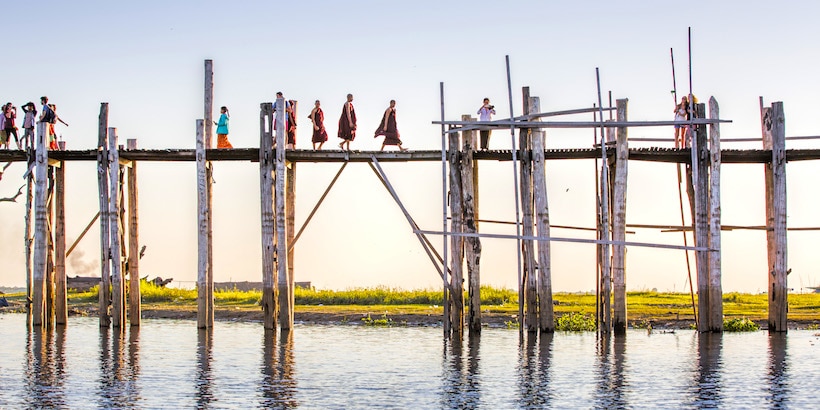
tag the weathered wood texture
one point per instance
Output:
(546, 315)
(105, 232)
(279, 205)
(266, 162)
(208, 115)
(605, 286)
(203, 313)
(456, 291)
(60, 296)
(40, 229)
(117, 283)
(530, 280)
(715, 286)
(28, 240)
(209, 138)
(286, 290)
(619, 318)
(134, 294)
(472, 245)
(699, 197)
(778, 290)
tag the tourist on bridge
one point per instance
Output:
(388, 128)
(52, 128)
(347, 123)
(485, 113)
(291, 125)
(10, 114)
(222, 129)
(317, 118)
(28, 124)
(287, 114)
(681, 114)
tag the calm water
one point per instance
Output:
(170, 364)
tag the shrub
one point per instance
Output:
(740, 325)
(575, 322)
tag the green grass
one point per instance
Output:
(740, 325)
(575, 322)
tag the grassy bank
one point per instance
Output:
(643, 307)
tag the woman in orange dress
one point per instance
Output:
(222, 129)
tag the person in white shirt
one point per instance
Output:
(485, 113)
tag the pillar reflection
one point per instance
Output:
(611, 378)
(778, 370)
(535, 354)
(706, 378)
(461, 382)
(278, 385)
(204, 356)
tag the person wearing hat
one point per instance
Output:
(28, 124)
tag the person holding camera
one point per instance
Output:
(485, 113)
(10, 114)
(28, 125)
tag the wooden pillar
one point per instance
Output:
(279, 203)
(105, 251)
(204, 317)
(776, 208)
(270, 304)
(472, 245)
(699, 198)
(527, 227)
(28, 241)
(209, 137)
(117, 285)
(60, 298)
(50, 285)
(619, 321)
(286, 296)
(209, 104)
(134, 295)
(715, 286)
(456, 293)
(546, 315)
(40, 229)
(605, 286)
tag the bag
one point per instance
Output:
(48, 115)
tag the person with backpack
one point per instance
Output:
(28, 124)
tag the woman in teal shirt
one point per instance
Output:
(222, 129)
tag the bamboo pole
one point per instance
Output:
(546, 315)
(619, 320)
(203, 311)
(715, 286)
(456, 291)
(105, 238)
(530, 281)
(286, 296)
(40, 229)
(60, 298)
(134, 295)
(778, 291)
(269, 290)
(472, 245)
(118, 290)
(279, 204)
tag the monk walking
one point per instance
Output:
(347, 124)
(389, 129)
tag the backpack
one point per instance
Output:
(48, 115)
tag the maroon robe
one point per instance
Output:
(391, 136)
(319, 135)
(346, 132)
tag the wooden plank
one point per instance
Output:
(456, 291)
(472, 245)
(715, 286)
(530, 280)
(266, 160)
(279, 205)
(778, 291)
(117, 283)
(619, 318)
(40, 256)
(202, 229)
(105, 234)
(286, 290)
(134, 295)
(60, 296)
(546, 314)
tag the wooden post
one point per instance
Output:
(279, 204)
(700, 199)
(527, 228)
(619, 222)
(134, 295)
(715, 286)
(605, 287)
(472, 245)
(105, 251)
(204, 318)
(117, 285)
(209, 104)
(546, 316)
(778, 281)
(50, 285)
(456, 293)
(40, 228)
(28, 239)
(270, 304)
(286, 296)
(60, 298)
(209, 137)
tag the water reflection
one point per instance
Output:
(45, 367)
(534, 358)
(204, 356)
(116, 384)
(278, 376)
(778, 370)
(461, 381)
(610, 361)
(706, 379)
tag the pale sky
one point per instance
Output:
(146, 59)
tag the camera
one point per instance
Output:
(491, 107)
